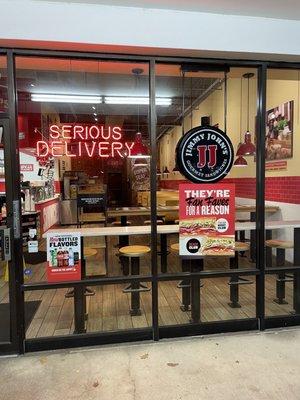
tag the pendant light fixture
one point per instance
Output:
(240, 161)
(247, 148)
(166, 171)
(138, 150)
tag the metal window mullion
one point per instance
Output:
(153, 188)
(260, 194)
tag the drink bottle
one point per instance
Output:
(71, 257)
(66, 258)
(60, 259)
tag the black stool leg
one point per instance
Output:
(268, 250)
(242, 236)
(125, 264)
(234, 287)
(79, 309)
(135, 285)
(280, 282)
(196, 265)
(164, 255)
(186, 287)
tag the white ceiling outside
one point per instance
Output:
(280, 9)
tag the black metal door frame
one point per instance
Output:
(12, 184)
(17, 289)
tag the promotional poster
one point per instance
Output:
(207, 217)
(63, 258)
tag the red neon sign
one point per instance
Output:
(77, 140)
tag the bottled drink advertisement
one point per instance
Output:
(207, 219)
(63, 257)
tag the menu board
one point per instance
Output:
(91, 199)
(63, 258)
(206, 219)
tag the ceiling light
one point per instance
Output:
(96, 119)
(138, 149)
(95, 114)
(65, 98)
(94, 108)
(240, 162)
(247, 148)
(140, 162)
(159, 101)
(32, 85)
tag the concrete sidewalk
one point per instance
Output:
(237, 366)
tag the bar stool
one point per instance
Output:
(235, 281)
(185, 284)
(133, 253)
(280, 246)
(158, 222)
(119, 223)
(89, 252)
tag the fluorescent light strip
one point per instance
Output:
(66, 98)
(159, 101)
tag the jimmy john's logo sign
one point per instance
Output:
(204, 154)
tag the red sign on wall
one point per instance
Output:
(207, 218)
(63, 258)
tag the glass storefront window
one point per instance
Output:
(281, 192)
(85, 166)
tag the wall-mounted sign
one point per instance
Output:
(63, 258)
(26, 167)
(204, 154)
(77, 140)
(140, 177)
(206, 219)
(91, 199)
(276, 165)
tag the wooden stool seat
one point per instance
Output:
(158, 222)
(89, 252)
(241, 246)
(134, 251)
(176, 221)
(118, 223)
(280, 244)
(175, 247)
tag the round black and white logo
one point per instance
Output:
(193, 245)
(204, 154)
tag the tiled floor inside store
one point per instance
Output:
(108, 309)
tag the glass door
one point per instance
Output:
(211, 293)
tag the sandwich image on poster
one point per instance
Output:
(207, 215)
